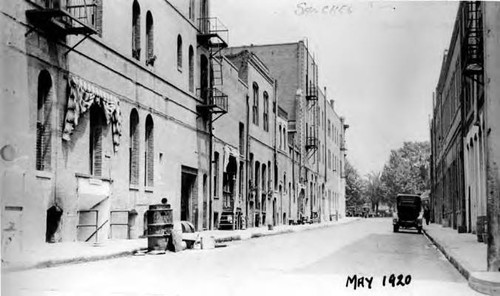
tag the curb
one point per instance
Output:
(485, 282)
(68, 261)
(76, 260)
(463, 271)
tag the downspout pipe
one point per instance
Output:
(276, 108)
(247, 161)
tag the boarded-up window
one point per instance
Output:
(149, 38)
(43, 121)
(149, 154)
(191, 68)
(179, 52)
(134, 148)
(136, 30)
(95, 141)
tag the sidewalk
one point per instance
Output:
(467, 255)
(49, 255)
(462, 249)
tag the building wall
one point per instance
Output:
(160, 91)
(227, 133)
(448, 157)
(297, 74)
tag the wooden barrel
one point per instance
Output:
(160, 225)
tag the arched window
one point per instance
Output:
(179, 52)
(149, 153)
(134, 148)
(204, 78)
(43, 121)
(149, 39)
(136, 30)
(191, 68)
(266, 111)
(97, 121)
(255, 108)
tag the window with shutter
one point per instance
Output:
(191, 68)
(149, 154)
(134, 148)
(179, 52)
(150, 39)
(136, 30)
(266, 111)
(255, 104)
(95, 141)
(43, 122)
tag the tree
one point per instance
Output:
(373, 189)
(354, 186)
(407, 170)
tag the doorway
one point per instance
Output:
(188, 194)
(53, 220)
(275, 213)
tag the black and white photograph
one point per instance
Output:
(263, 147)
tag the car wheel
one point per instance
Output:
(395, 228)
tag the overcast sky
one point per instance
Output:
(380, 61)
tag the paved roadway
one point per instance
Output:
(316, 262)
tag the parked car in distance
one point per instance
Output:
(408, 213)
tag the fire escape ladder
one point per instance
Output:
(213, 35)
(61, 18)
(472, 43)
(472, 57)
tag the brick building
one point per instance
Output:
(317, 188)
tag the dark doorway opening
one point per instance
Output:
(275, 213)
(188, 181)
(53, 221)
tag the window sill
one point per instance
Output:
(179, 69)
(88, 176)
(149, 189)
(44, 175)
(133, 187)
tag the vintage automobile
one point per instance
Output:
(409, 212)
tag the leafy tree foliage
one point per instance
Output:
(354, 186)
(407, 170)
(374, 189)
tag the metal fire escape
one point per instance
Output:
(213, 35)
(65, 17)
(472, 56)
(312, 99)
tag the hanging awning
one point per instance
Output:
(82, 96)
